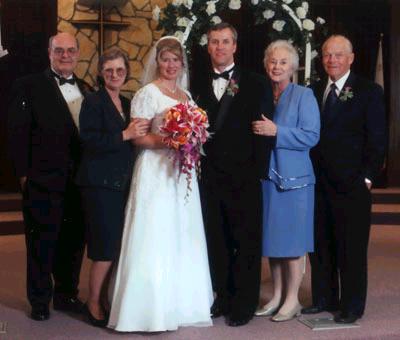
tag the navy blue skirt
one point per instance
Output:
(104, 212)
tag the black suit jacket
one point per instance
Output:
(353, 136)
(43, 138)
(233, 148)
(107, 160)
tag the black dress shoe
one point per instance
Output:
(315, 309)
(236, 322)
(218, 309)
(68, 304)
(345, 317)
(93, 321)
(40, 313)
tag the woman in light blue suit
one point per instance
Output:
(288, 191)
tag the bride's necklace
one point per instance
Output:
(173, 91)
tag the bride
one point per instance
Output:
(162, 280)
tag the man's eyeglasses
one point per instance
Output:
(120, 71)
(60, 51)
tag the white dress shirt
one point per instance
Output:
(220, 84)
(339, 84)
(73, 97)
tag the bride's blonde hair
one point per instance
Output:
(169, 45)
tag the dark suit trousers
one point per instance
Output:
(54, 235)
(232, 214)
(342, 227)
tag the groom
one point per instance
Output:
(235, 161)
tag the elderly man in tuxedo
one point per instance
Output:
(346, 161)
(235, 161)
(43, 136)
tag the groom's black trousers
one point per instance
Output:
(232, 216)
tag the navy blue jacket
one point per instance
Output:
(353, 138)
(107, 160)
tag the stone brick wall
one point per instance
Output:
(135, 39)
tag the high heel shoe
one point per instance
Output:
(93, 321)
(266, 310)
(295, 312)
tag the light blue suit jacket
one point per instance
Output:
(298, 124)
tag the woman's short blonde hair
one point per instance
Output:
(284, 45)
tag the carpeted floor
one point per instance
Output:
(381, 320)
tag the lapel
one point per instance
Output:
(111, 108)
(58, 97)
(226, 101)
(340, 105)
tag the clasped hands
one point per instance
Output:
(138, 127)
(264, 127)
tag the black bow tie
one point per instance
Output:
(63, 80)
(224, 74)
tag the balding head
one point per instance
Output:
(337, 56)
(63, 53)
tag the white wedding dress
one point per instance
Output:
(162, 280)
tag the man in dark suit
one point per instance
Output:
(346, 161)
(235, 161)
(44, 142)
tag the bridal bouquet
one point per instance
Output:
(185, 129)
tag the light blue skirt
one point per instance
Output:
(288, 221)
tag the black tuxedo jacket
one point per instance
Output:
(233, 148)
(107, 160)
(353, 136)
(43, 138)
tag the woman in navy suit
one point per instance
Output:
(106, 167)
(288, 192)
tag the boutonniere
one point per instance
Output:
(233, 88)
(346, 93)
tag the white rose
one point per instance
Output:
(179, 35)
(216, 20)
(156, 13)
(235, 4)
(301, 12)
(288, 1)
(314, 54)
(278, 25)
(188, 4)
(210, 7)
(203, 40)
(268, 14)
(321, 20)
(308, 25)
(177, 3)
(182, 22)
(305, 5)
(254, 2)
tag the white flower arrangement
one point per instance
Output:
(216, 20)
(211, 7)
(301, 12)
(308, 25)
(182, 22)
(203, 40)
(156, 13)
(268, 14)
(235, 4)
(289, 19)
(278, 25)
